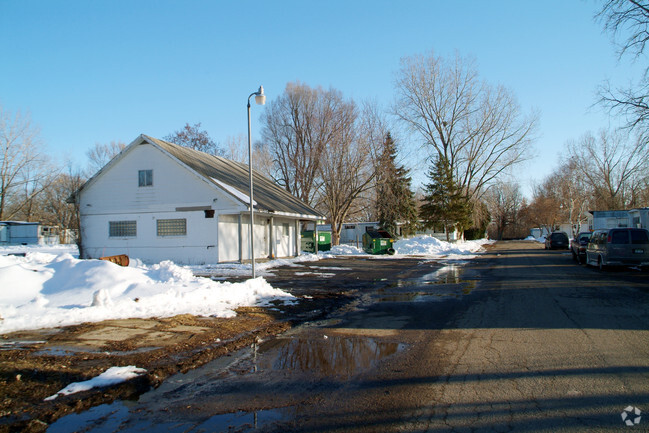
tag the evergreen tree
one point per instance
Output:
(444, 202)
(395, 202)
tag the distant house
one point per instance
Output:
(609, 219)
(27, 233)
(159, 201)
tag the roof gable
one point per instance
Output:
(267, 195)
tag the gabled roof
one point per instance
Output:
(232, 177)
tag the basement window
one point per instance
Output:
(145, 177)
(122, 229)
(174, 227)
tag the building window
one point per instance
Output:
(145, 177)
(175, 227)
(285, 229)
(209, 213)
(122, 229)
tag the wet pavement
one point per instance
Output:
(273, 383)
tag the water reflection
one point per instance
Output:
(334, 356)
(449, 274)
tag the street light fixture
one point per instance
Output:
(260, 99)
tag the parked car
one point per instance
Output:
(618, 247)
(578, 246)
(557, 241)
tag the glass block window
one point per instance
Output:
(122, 229)
(145, 177)
(175, 227)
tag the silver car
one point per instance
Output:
(618, 247)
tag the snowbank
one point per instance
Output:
(420, 246)
(343, 250)
(44, 290)
(430, 246)
(532, 238)
(262, 269)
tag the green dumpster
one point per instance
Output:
(377, 242)
(308, 241)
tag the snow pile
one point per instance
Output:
(343, 250)
(44, 290)
(532, 238)
(112, 376)
(262, 269)
(430, 246)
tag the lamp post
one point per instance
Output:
(260, 99)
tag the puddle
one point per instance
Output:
(242, 421)
(449, 274)
(115, 417)
(448, 278)
(327, 355)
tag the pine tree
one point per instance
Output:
(395, 202)
(444, 203)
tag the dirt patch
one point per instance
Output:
(41, 363)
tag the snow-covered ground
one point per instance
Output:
(51, 287)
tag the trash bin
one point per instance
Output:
(308, 241)
(377, 242)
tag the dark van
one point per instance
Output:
(618, 247)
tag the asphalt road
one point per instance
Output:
(519, 339)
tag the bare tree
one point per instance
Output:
(101, 154)
(237, 150)
(504, 200)
(56, 205)
(24, 167)
(614, 166)
(347, 169)
(297, 127)
(194, 138)
(545, 210)
(478, 128)
(322, 151)
(628, 21)
(572, 192)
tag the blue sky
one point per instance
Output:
(97, 71)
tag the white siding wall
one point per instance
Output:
(116, 196)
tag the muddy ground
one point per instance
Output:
(37, 364)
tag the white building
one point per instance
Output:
(608, 219)
(27, 233)
(159, 201)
